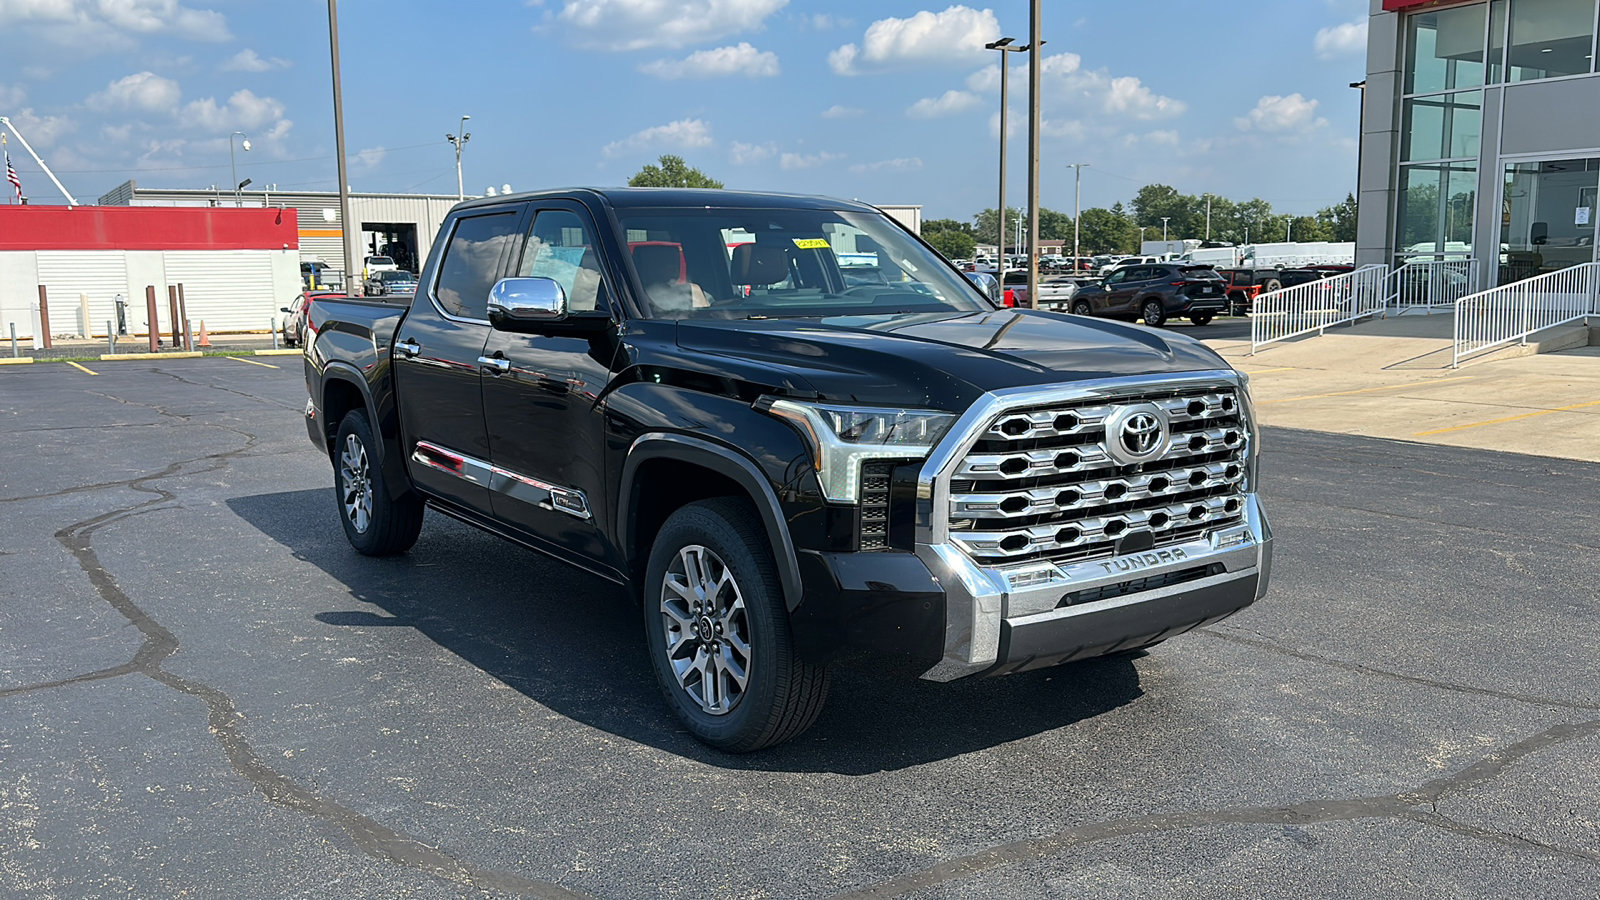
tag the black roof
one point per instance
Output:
(639, 197)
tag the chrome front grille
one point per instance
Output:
(1041, 483)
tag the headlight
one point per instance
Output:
(841, 437)
(1252, 432)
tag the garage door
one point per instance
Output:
(231, 290)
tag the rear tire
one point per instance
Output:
(375, 523)
(1271, 284)
(717, 631)
(1082, 308)
(1153, 314)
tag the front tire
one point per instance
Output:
(717, 631)
(1153, 314)
(375, 523)
(1081, 308)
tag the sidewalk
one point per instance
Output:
(77, 348)
(1392, 379)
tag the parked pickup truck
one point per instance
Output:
(679, 392)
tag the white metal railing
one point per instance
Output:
(1312, 307)
(1429, 284)
(1509, 313)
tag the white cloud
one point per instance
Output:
(141, 91)
(641, 24)
(901, 164)
(244, 110)
(840, 111)
(1066, 85)
(956, 35)
(947, 104)
(1348, 39)
(741, 59)
(370, 157)
(42, 131)
(248, 60)
(96, 17)
(11, 95)
(791, 161)
(684, 134)
(741, 154)
(1278, 114)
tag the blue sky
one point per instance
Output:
(886, 101)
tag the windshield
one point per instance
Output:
(786, 263)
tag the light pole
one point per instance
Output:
(233, 168)
(458, 143)
(1035, 67)
(350, 286)
(1141, 237)
(1164, 220)
(1004, 45)
(1077, 209)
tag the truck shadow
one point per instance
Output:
(572, 642)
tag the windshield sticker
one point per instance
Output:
(811, 243)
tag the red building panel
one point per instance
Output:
(147, 228)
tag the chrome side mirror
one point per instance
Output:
(518, 303)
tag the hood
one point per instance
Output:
(946, 360)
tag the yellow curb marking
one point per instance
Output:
(1387, 387)
(15, 360)
(1542, 412)
(80, 368)
(292, 351)
(250, 361)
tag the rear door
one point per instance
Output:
(436, 355)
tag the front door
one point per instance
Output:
(1548, 218)
(436, 350)
(541, 395)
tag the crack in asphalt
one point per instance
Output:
(1402, 805)
(1218, 632)
(223, 719)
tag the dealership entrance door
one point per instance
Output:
(1548, 216)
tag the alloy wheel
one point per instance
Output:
(355, 483)
(707, 629)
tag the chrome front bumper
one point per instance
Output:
(992, 624)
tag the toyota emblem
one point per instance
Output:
(1136, 433)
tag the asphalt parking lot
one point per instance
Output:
(205, 692)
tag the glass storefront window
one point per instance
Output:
(1436, 204)
(1497, 41)
(1550, 38)
(1444, 49)
(1442, 126)
(1548, 217)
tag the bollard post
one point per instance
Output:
(154, 320)
(111, 338)
(83, 316)
(272, 329)
(44, 320)
(183, 314)
(177, 323)
(14, 353)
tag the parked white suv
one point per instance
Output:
(376, 264)
(1130, 261)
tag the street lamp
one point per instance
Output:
(232, 167)
(1004, 45)
(458, 143)
(1077, 209)
(1164, 220)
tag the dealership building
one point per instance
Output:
(1480, 135)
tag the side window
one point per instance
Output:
(1117, 277)
(561, 248)
(471, 262)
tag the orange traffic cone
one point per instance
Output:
(204, 340)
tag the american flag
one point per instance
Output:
(11, 176)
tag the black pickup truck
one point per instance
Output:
(681, 392)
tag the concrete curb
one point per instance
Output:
(292, 351)
(115, 357)
(15, 360)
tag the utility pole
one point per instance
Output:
(1004, 45)
(338, 140)
(1077, 209)
(458, 143)
(1035, 41)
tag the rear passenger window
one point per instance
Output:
(471, 262)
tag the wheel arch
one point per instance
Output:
(345, 389)
(666, 460)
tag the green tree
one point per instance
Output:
(672, 172)
(948, 225)
(1107, 231)
(1154, 202)
(1340, 219)
(1054, 226)
(984, 224)
(952, 243)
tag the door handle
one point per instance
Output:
(497, 364)
(408, 348)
